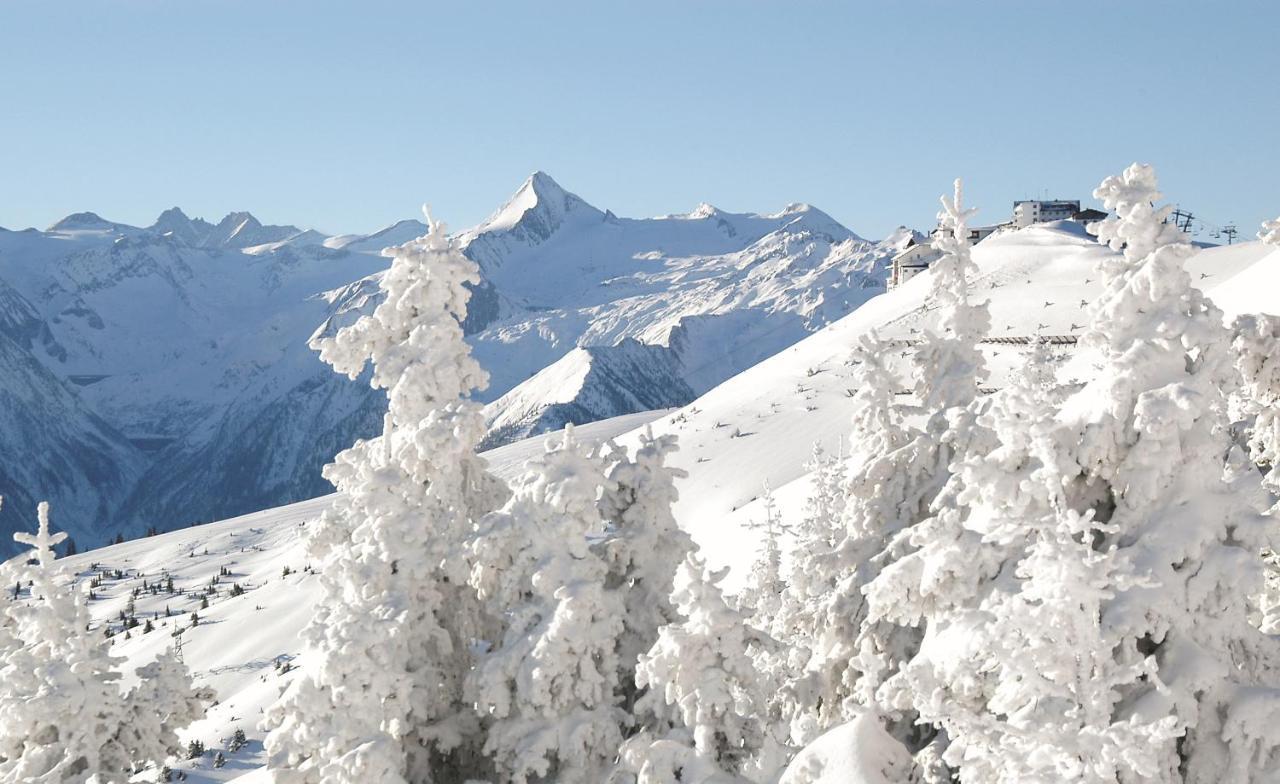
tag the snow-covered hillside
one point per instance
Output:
(177, 380)
(756, 428)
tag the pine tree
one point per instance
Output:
(833, 559)
(1270, 232)
(63, 716)
(1257, 354)
(1152, 436)
(642, 548)
(701, 675)
(163, 702)
(381, 699)
(948, 368)
(548, 687)
(762, 597)
(1014, 665)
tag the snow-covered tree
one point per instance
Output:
(762, 597)
(643, 547)
(948, 368)
(1015, 666)
(388, 647)
(948, 363)
(701, 674)
(1029, 689)
(1257, 402)
(1270, 232)
(548, 689)
(1257, 352)
(833, 556)
(163, 702)
(63, 716)
(1149, 431)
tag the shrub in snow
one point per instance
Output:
(63, 716)
(381, 698)
(548, 688)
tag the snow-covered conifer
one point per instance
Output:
(833, 557)
(948, 363)
(643, 547)
(1014, 665)
(1257, 351)
(948, 368)
(1149, 431)
(548, 688)
(762, 597)
(1270, 232)
(701, 674)
(163, 702)
(388, 645)
(63, 716)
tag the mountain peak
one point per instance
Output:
(543, 185)
(82, 221)
(236, 220)
(172, 220)
(539, 208)
(172, 214)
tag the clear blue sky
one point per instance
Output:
(346, 116)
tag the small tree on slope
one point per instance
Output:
(63, 717)
(1149, 432)
(381, 697)
(549, 687)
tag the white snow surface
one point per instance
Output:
(857, 752)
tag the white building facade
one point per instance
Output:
(1027, 213)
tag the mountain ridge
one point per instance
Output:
(188, 339)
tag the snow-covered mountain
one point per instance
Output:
(756, 427)
(173, 358)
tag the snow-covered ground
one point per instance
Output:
(756, 428)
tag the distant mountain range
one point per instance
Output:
(161, 375)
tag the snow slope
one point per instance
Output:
(757, 427)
